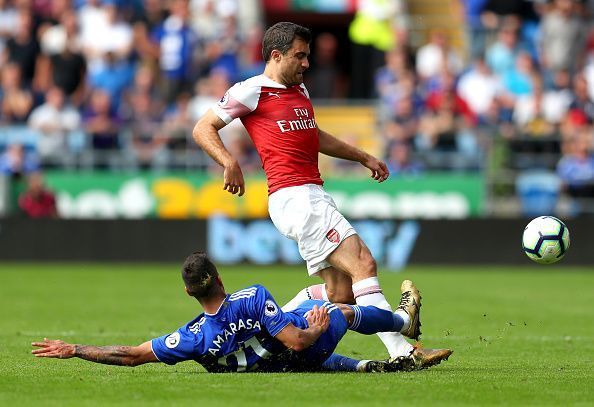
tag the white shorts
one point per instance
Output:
(308, 215)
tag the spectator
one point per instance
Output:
(23, 48)
(396, 66)
(563, 35)
(222, 52)
(498, 13)
(576, 167)
(68, 71)
(53, 15)
(177, 127)
(208, 90)
(372, 34)
(208, 16)
(102, 125)
(478, 87)
(16, 99)
(518, 81)
(144, 80)
(38, 201)
(403, 125)
(538, 113)
(54, 121)
(325, 79)
(443, 92)
(581, 101)
(440, 127)
(16, 161)
(251, 62)
(437, 56)
(501, 55)
(400, 161)
(108, 36)
(152, 15)
(59, 40)
(475, 31)
(91, 16)
(8, 22)
(146, 143)
(176, 43)
(113, 77)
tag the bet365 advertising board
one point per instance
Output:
(181, 196)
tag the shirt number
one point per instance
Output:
(240, 356)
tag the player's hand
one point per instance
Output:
(53, 349)
(233, 179)
(379, 170)
(318, 317)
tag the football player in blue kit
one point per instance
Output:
(247, 331)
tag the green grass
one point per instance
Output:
(520, 336)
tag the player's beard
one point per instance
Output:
(297, 79)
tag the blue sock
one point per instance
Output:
(339, 363)
(370, 320)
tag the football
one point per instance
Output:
(545, 239)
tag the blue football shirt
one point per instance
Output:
(239, 337)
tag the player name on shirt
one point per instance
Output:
(230, 331)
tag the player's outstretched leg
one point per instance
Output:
(410, 309)
(410, 305)
(339, 363)
(397, 364)
(370, 319)
(406, 320)
(427, 357)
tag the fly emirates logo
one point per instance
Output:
(303, 122)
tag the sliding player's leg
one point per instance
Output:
(340, 363)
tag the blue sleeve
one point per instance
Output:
(269, 313)
(177, 346)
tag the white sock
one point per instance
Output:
(314, 292)
(405, 317)
(361, 365)
(368, 292)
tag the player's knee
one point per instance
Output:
(342, 295)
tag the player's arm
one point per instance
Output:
(299, 339)
(109, 355)
(330, 145)
(206, 135)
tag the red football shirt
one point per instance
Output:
(280, 120)
(42, 205)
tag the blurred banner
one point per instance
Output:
(173, 196)
(317, 6)
(394, 244)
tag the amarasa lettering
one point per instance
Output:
(231, 330)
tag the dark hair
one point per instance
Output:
(280, 37)
(199, 275)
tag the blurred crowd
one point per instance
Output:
(80, 79)
(525, 81)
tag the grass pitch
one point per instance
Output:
(520, 336)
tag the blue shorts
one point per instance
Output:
(317, 353)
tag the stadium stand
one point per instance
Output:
(493, 87)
